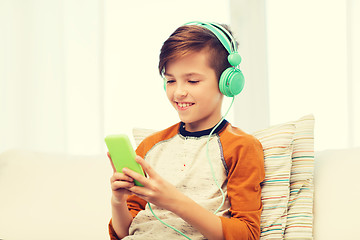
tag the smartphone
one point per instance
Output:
(122, 154)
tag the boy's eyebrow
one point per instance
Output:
(184, 75)
(167, 74)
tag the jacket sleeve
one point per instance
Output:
(135, 205)
(112, 232)
(245, 161)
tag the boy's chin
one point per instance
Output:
(186, 120)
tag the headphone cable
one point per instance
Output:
(210, 163)
(212, 172)
(176, 230)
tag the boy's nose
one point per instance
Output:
(180, 92)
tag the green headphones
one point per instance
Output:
(231, 80)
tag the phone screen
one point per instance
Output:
(122, 154)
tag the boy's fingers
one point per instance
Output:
(146, 167)
(121, 185)
(136, 176)
(120, 177)
(140, 192)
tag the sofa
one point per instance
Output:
(57, 196)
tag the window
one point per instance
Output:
(309, 64)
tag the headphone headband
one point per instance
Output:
(226, 39)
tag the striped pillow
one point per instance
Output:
(277, 145)
(300, 206)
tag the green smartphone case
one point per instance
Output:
(122, 154)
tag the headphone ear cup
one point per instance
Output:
(231, 82)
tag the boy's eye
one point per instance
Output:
(193, 81)
(170, 81)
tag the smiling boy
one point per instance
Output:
(192, 88)
(180, 187)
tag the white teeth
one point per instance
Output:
(182, 105)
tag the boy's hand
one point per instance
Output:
(120, 183)
(156, 190)
(164, 195)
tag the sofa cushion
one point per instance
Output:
(51, 196)
(337, 194)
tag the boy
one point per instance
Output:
(179, 186)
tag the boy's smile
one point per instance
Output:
(192, 88)
(182, 106)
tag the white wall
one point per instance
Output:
(313, 47)
(353, 59)
(134, 93)
(51, 75)
(300, 57)
(73, 71)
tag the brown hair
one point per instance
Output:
(192, 38)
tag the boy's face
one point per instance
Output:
(192, 88)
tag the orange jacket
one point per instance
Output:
(241, 161)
